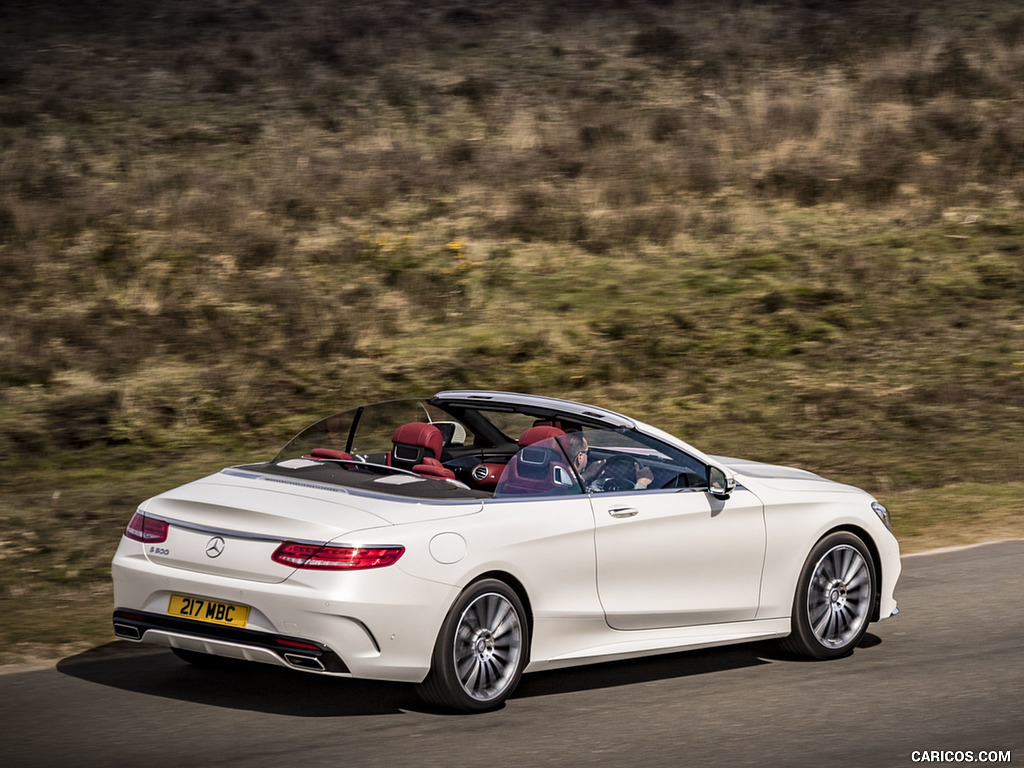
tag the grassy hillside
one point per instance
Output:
(790, 231)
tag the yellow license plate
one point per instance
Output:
(210, 611)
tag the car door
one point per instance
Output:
(677, 557)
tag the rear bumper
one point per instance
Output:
(283, 650)
(377, 624)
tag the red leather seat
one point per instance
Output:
(417, 447)
(539, 469)
(492, 473)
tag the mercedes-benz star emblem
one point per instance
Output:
(214, 547)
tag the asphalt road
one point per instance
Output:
(946, 674)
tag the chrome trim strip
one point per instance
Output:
(213, 531)
(209, 529)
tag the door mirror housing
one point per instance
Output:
(720, 482)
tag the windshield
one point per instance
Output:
(366, 431)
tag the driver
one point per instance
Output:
(616, 473)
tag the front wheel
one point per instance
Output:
(481, 650)
(834, 598)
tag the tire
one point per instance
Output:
(481, 650)
(834, 600)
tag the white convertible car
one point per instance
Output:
(459, 541)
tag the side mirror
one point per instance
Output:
(720, 484)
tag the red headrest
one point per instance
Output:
(424, 435)
(536, 434)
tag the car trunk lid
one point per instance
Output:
(232, 529)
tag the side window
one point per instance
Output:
(610, 460)
(541, 469)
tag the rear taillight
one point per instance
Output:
(329, 558)
(148, 530)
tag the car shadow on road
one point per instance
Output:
(274, 690)
(243, 686)
(661, 667)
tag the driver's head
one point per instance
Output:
(578, 450)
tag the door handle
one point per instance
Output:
(623, 511)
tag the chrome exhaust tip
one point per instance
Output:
(304, 662)
(127, 632)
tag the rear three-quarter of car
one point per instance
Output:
(238, 567)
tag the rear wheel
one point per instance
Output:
(834, 598)
(480, 651)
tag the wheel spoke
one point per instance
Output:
(497, 609)
(861, 580)
(844, 619)
(469, 673)
(505, 624)
(822, 624)
(817, 612)
(853, 568)
(846, 558)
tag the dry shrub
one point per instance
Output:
(952, 120)
(791, 118)
(461, 16)
(226, 80)
(887, 160)
(48, 180)
(16, 117)
(666, 124)
(82, 417)
(1001, 150)
(950, 72)
(657, 225)
(806, 179)
(1011, 31)
(598, 135)
(542, 214)
(835, 403)
(257, 248)
(8, 225)
(11, 75)
(461, 152)
(663, 44)
(702, 174)
(475, 89)
(26, 356)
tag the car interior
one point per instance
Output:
(474, 452)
